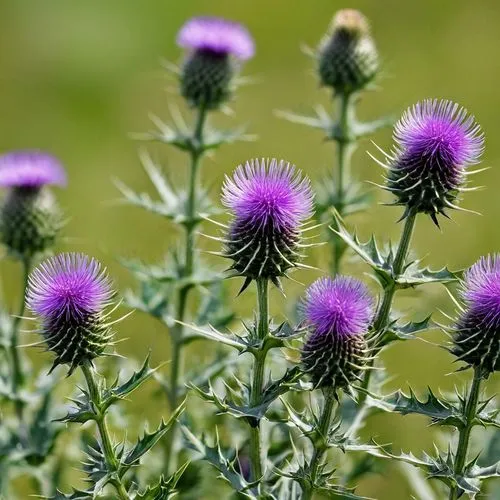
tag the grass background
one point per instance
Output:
(77, 77)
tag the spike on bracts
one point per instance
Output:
(269, 200)
(69, 294)
(338, 313)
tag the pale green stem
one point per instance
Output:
(321, 447)
(345, 148)
(383, 315)
(112, 462)
(17, 367)
(463, 440)
(258, 375)
(182, 299)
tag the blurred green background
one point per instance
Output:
(76, 77)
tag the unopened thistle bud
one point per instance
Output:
(30, 218)
(477, 329)
(338, 313)
(436, 142)
(270, 200)
(69, 294)
(214, 46)
(348, 58)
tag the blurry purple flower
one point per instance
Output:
(338, 313)
(30, 169)
(30, 218)
(214, 45)
(216, 35)
(69, 293)
(477, 337)
(269, 200)
(436, 142)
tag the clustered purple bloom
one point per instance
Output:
(217, 35)
(214, 45)
(477, 330)
(68, 293)
(269, 200)
(30, 169)
(338, 313)
(436, 140)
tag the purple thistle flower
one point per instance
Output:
(30, 169)
(214, 47)
(270, 201)
(30, 218)
(217, 35)
(436, 140)
(69, 293)
(477, 329)
(338, 313)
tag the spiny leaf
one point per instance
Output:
(213, 334)
(215, 456)
(406, 331)
(146, 442)
(165, 489)
(117, 392)
(413, 276)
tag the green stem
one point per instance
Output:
(383, 315)
(345, 148)
(108, 451)
(17, 367)
(463, 440)
(176, 364)
(320, 449)
(258, 375)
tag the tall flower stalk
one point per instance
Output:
(347, 64)
(215, 49)
(71, 296)
(30, 220)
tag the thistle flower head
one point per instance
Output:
(69, 293)
(436, 141)
(217, 35)
(30, 218)
(477, 329)
(348, 58)
(269, 200)
(213, 45)
(30, 169)
(338, 313)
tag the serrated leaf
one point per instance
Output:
(117, 392)
(412, 276)
(76, 495)
(80, 413)
(148, 440)
(405, 331)
(215, 138)
(164, 489)
(440, 411)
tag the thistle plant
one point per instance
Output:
(215, 49)
(30, 220)
(70, 295)
(347, 65)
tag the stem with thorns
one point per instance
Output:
(108, 451)
(320, 442)
(258, 375)
(470, 411)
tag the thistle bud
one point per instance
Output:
(348, 58)
(69, 294)
(269, 200)
(477, 329)
(436, 142)
(338, 313)
(214, 46)
(30, 218)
